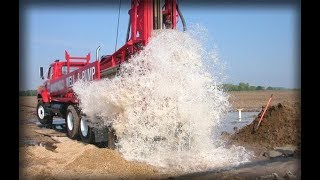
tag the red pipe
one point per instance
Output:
(264, 111)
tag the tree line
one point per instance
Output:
(246, 87)
(28, 93)
(226, 87)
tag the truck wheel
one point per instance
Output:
(111, 139)
(43, 115)
(73, 122)
(86, 132)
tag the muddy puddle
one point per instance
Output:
(231, 122)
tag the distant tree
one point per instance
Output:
(260, 88)
(235, 88)
(243, 86)
(246, 87)
(279, 88)
(28, 93)
(252, 88)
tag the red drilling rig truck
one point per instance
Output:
(56, 97)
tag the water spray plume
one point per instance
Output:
(164, 106)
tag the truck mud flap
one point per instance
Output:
(101, 134)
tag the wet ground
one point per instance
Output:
(46, 152)
(231, 122)
(277, 168)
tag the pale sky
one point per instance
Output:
(259, 45)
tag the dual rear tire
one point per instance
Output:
(86, 132)
(77, 126)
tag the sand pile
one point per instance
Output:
(280, 126)
(75, 160)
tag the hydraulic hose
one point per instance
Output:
(182, 19)
(128, 30)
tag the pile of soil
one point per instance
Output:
(280, 126)
(74, 160)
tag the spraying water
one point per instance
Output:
(164, 106)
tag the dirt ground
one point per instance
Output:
(280, 126)
(46, 153)
(254, 100)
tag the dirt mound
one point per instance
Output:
(280, 126)
(102, 163)
(75, 160)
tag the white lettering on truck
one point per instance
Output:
(86, 75)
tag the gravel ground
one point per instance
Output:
(48, 153)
